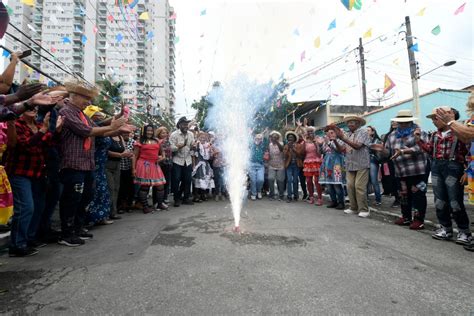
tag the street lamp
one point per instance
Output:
(446, 64)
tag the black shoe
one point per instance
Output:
(22, 252)
(288, 200)
(177, 203)
(85, 236)
(396, 204)
(340, 206)
(36, 244)
(114, 217)
(469, 247)
(71, 241)
(305, 196)
(188, 202)
(332, 205)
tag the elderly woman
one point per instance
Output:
(293, 153)
(203, 176)
(332, 173)
(276, 166)
(257, 168)
(312, 164)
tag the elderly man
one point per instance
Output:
(357, 164)
(181, 142)
(77, 161)
(410, 167)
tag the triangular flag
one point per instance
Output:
(119, 37)
(66, 40)
(296, 32)
(353, 23)
(303, 55)
(83, 39)
(5, 53)
(332, 25)
(9, 10)
(317, 42)
(95, 29)
(144, 16)
(176, 40)
(436, 30)
(278, 103)
(150, 35)
(460, 9)
(53, 49)
(368, 34)
(110, 18)
(388, 85)
(421, 12)
(31, 3)
(293, 92)
(203, 12)
(292, 66)
(173, 16)
(414, 47)
(282, 76)
(132, 4)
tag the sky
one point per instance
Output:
(263, 38)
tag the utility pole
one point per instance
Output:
(364, 82)
(413, 68)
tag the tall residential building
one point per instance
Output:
(100, 40)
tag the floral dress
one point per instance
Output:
(6, 195)
(99, 208)
(203, 176)
(332, 168)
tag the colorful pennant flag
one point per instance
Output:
(368, 34)
(53, 49)
(5, 53)
(292, 66)
(95, 29)
(396, 61)
(317, 42)
(9, 10)
(460, 9)
(303, 55)
(352, 4)
(132, 4)
(293, 92)
(150, 35)
(173, 16)
(436, 30)
(296, 32)
(110, 18)
(203, 12)
(176, 40)
(66, 40)
(332, 25)
(388, 85)
(144, 16)
(353, 23)
(414, 47)
(83, 39)
(119, 37)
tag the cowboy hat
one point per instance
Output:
(354, 118)
(182, 120)
(404, 116)
(433, 112)
(81, 88)
(291, 133)
(275, 133)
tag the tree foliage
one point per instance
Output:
(111, 96)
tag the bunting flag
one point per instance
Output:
(144, 16)
(414, 47)
(292, 66)
(353, 23)
(293, 92)
(460, 9)
(9, 10)
(352, 4)
(278, 103)
(436, 30)
(396, 61)
(66, 40)
(110, 18)
(203, 12)
(317, 42)
(119, 37)
(83, 39)
(173, 16)
(5, 53)
(30, 3)
(95, 29)
(176, 40)
(150, 35)
(421, 12)
(53, 49)
(296, 32)
(332, 25)
(132, 4)
(303, 55)
(368, 34)
(388, 85)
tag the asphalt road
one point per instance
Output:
(290, 259)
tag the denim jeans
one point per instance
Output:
(374, 180)
(28, 205)
(181, 175)
(336, 192)
(78, 191)
(257, 174)
(449, 193)
(219, 180)
(413, 198)
(292, 174)
(279, 176)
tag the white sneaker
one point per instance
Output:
(253, 197)
(259, 196)
(349, 211)
(364, 214)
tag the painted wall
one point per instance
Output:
(456, 99)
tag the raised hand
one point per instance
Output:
(117, 123)
(46, 119)
(445, 116)
(59, 123)
(43, 99)
(26, 91)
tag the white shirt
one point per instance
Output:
(182, 156)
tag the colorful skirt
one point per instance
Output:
(148, 173)
(470, 185)
(311, 168)
(332, 170)
(6, 198)
(203, 176)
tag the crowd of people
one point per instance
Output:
(59, 151)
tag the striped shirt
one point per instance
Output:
(407, 165)
(358, 159)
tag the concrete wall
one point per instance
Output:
(456, 99)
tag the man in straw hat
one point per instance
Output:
(181, 142)
(77, 160)
(448, 158)
(357, 164)
(410, 167)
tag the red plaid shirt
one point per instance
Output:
(443, 147)
(28, 157)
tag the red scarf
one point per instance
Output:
(87, 140)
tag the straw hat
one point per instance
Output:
(433, 112)
(354, 118)
(275, 133)
(291, 133)
(404, 116)
(81, 88)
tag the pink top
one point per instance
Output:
(149, 152)
(312, 153)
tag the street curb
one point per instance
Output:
(4, 240)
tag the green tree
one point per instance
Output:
(202, 106)
(112, 94)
